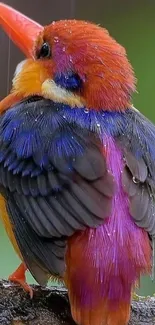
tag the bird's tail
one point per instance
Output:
(101, 276)
(104, 264)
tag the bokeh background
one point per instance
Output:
(132, 23)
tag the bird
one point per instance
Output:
(77, 166)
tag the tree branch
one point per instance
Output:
(50, 306)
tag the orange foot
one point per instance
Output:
(19, 277)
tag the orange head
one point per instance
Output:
(71, 62)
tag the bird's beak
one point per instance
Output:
(20, 29)
(23, 31)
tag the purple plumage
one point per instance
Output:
(105, 263)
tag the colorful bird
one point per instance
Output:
(77, 166)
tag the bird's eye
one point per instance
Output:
(44, 52)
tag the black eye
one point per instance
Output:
(45, 51)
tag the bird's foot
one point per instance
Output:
(19, 277)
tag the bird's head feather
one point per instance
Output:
(69, 61)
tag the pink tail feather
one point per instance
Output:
(104, 264)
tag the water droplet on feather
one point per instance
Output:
(86, 110)
(135, 180)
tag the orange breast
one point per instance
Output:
(8, 226)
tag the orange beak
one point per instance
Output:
(21, 29)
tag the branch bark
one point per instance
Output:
(50, 306)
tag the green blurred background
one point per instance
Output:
(132, 23)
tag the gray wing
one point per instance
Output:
(54, 177)
(138, 146)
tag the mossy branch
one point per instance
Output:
(50, 306)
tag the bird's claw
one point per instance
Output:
(135, 296)
(19, 277)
